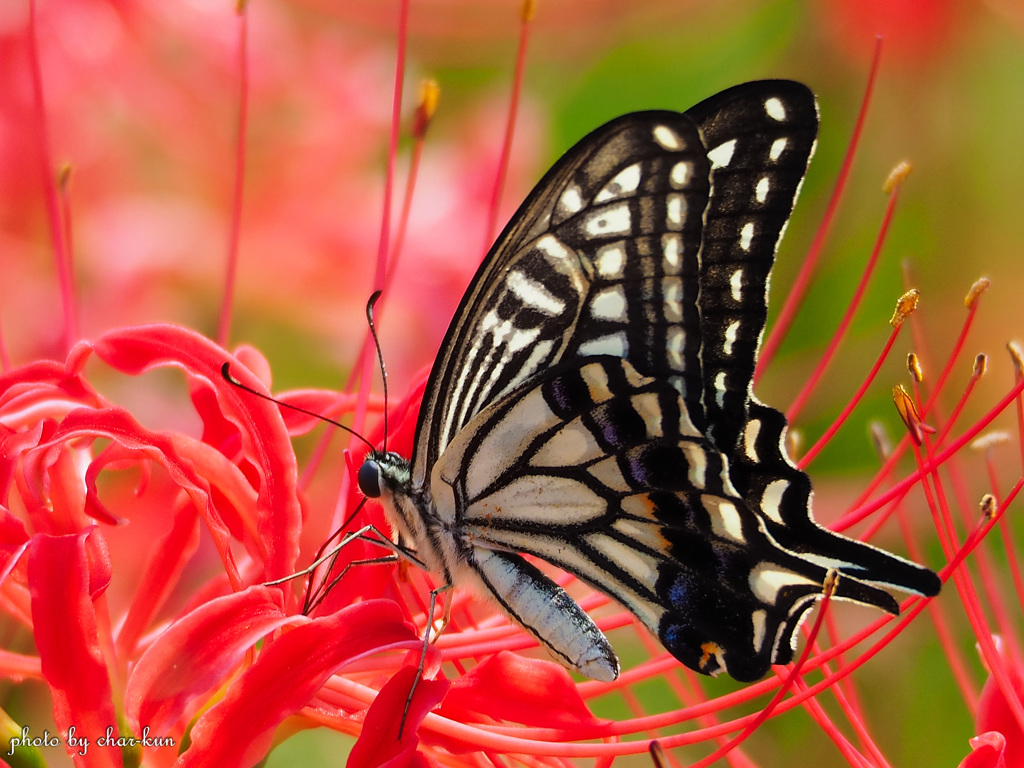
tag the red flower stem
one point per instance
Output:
(691, 694)
(815, 449)
(845, 688)
(57, 231)
(880, 477)
(845, 694)
(1013, 562)
(969, 597)
(525, 740)
(391, 269)
(857, 721)
(987, 569)
(403, 219)
(880, 520)
(954, 657)
(1019, 378)
(64, 198)
(958, 348)
(850, 753)
(366, 361)
(234, 234)
(802, 283)
(912, 608)
(525, 17)
(851, 309)
(901, 488)
(396, 124)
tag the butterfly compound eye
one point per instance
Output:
(368, 479)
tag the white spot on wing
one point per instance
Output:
(772, 497)
(758, 618)
(649, 409)
(778, 147)
(608, 473)
(613, 220)
(667, 138)
(596, 379)
(624, 183)
(672, 293)
(675, 211)
(736, 285)
(697, 462)
(746, 235)
(610, 260)
(571, 200)
(613, 344)
(674, 344)
(750, 439)
(720, 389)
(671, 249)
(721, 155)
(725, 518)
(609, 304)
(775, 109)
(680, 175)
(761, 191)
(730, 337)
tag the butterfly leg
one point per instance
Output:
(434, 593)
(368, 533)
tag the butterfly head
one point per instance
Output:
(382, 474)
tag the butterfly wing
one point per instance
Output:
(601, 257)
(591, 404)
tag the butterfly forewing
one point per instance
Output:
(600, 259)
(591, 404)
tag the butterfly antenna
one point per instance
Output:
(225, 371)
(380, 361)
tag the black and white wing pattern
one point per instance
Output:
(591, 403)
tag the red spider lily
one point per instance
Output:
(136, 559)
(239, 483)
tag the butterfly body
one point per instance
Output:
(591, 404)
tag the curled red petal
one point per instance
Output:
(239, 729)
(119, 425)
(512, 688)
(45, 389)
(196, 653)
(67, 638)
(988, 750)
(263, 438)
(378, 745)
(994, 713)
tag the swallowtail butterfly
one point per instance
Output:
(591, 404)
